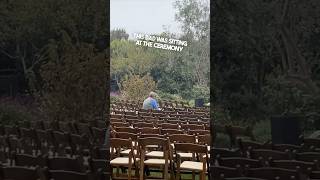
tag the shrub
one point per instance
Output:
(16, 110)
(74, 81)
(137, 88)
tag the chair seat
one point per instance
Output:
(152, 146)
(158, 154)
(185, 155)
(192, 165)
(154, 162)
(120, 161)
(126, 152)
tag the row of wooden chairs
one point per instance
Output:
(161, 157)
(157, 123)
(34, 141)
(67, 163)
(267, 156)
(37, 173)
(160, 115)
(305, 145)
(172, 124)
(266, 161)
(160, 131)
(71, 127)
(264, 173)
(164, 117)
(163, 125)
(186, 138)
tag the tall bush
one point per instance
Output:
(74, 80)
(137, 88)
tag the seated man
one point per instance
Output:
(151, 102)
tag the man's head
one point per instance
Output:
(152, 94)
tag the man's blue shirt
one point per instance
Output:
(150, 103)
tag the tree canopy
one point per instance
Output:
(265, 57)
(53, 44)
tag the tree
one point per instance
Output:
(136, 88)
(26, 26)
(118, 34)
(127, 59)
(74, 80)
(262, 52)
(195, 20)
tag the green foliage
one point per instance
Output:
(13, 112)
(194, 17)
(171, 97)
(222, 141)
(282, 98)
(262, 131)
(137, 88)
(26, 26)
(51, 42)
(114, 99)
(74, 80)
(264, 60)
(201, 92)
(118, 34)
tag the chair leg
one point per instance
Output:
(172, 172)
(166, 171)
(111, 171)
(193, 175)
(141, 171)
(136, 171)
(202, 175)
(117, 172)
(129, 172)
(178, 176)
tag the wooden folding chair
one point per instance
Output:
(169, 126)
(223, 173)
(199, 152)
(267, 155)
(143, 125)
(159, 159)
(301, 166)
(116, 160)
(171, 131)
(181, 138)
(234, 162)
(315, 175)
(149, 130)
(272, 173)
(133, 137)
(67, 164)
(126, 129)
(5, 158)
(30, 160)
(19, 173)
(205, 140)
(247, 146)
(69, 175)
(236, 131)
